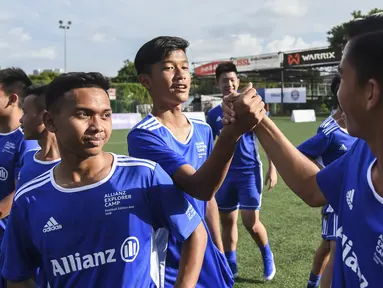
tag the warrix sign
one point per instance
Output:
(312, 57)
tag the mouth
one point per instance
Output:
(93, 141)
(179, 87)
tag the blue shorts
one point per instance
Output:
(241, 189)
(329, 226)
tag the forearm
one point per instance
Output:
(271, 164)
(298, 172)
(192, 255)
(6, 205)
(212, 221)
(205, 182)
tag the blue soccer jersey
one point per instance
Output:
(12, 149)
(33, 167)
(152, 140)
(246, 155)
(347, 185)
(330, 143)
(99, 235)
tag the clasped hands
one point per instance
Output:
(244, 109)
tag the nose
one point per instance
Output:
(180, 74)
(96, 124)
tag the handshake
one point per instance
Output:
(243, 110)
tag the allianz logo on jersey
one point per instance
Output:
(349, 257)
(3, 174)
(76, 262)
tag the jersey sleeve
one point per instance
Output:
(20, 256)
(213, 124)
(146, 145)
(25, 146)
(170, 208)
(331, 181)
(315, 146)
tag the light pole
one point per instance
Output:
(65, 27)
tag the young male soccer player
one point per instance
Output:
(13, 85)
(183, 147)
(36, 162)
(353, 184)
(242, 187)
(90, 221)
(330, 143)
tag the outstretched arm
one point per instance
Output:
(298, 172)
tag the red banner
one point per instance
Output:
(207, 69)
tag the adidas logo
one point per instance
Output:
(219, 118)
(343, 148)
(52, 225)
(350, 198)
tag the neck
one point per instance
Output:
(49, 148)
(171, 115)
(376, 146)
(71, 164)
(10, 123)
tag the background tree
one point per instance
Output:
(127, 74)
(336, 36)
(43, 78)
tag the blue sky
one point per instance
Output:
(105, 33)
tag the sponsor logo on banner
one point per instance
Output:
(244, 64)
(207, 69)
(294, 59)
(290, 95)
(319, 56)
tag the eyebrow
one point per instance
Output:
(171, 62)
(90, 110)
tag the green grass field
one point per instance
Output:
(293, 227)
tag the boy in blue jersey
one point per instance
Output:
(242, 188)
(353, 184)
(13, 85)
(36, 162)
(91, 220)
(330, 143)
(184, 147)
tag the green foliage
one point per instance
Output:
(129, 95)
(127, 74)
(43, 78)
(336, 36)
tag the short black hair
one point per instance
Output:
(15, 81)
(365, 54)
(370, 23)
(74, 80)
(39, 92)
(335, 83)
(156, 50)
(225, 67)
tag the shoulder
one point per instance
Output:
(330, 128)
(33, 186)
(215, 111)
(149, 123)
(128, 163)
(329, 120)
(200, 124)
